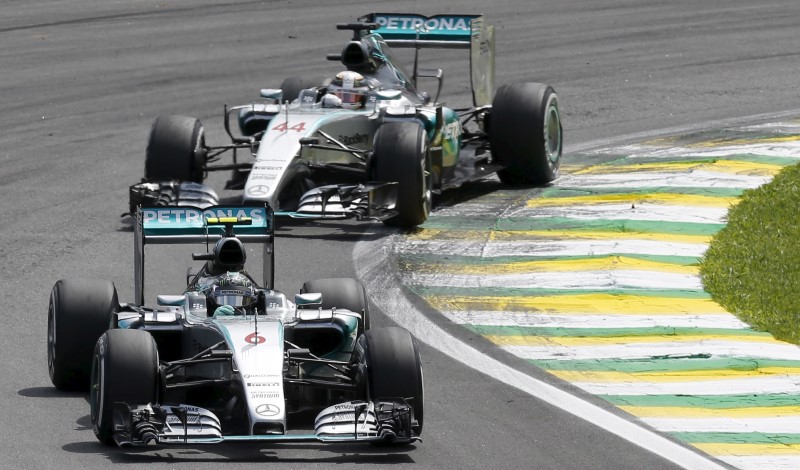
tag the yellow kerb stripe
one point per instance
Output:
(719, 166)
(738, 450)
(693, 412)
(634, 199)
(582, 303)
(670, 376)
(574, 341)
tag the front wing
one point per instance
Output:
(371, 201)
(355, 421)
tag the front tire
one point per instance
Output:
(525, 133)
(79, 311)
(401, 154)
(392, 368)
(176, 150)
(124, 369)
(341, 292)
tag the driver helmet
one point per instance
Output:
(351, 88)
(233, 289)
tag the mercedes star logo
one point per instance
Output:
(267, 409)
(258, 190)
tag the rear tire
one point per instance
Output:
(176, 150)
(525, 133)
(341, 292)
(390, 357)
(79, 311)
(124, 369)
(401, 154)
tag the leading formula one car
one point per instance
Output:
(227, 359)
(367, 143)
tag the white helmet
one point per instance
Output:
(351, 88)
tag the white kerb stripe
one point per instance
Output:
(578, 320)
(714, 348)
(781, 425)
(599, 280)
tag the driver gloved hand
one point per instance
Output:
(224, 311)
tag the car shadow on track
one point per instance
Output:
(303, 454)
(469, 191)
(48, 392)
(312, 453)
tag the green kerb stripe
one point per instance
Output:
(631, 227)
(610, 332)
(737, 438)
(408, 258)
(674, 364)
(429, 291)
(705, 401)
(714, 192)
(770, 160)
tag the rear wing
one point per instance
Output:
(187, 225)
(449, 32)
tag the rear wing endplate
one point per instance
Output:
(449, 32)
(187, 225)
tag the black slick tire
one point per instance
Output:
(393, 368)
(341, 292)
(176, 150)
(401, 154)
(79, 311)
(124, 369)
(525, 133)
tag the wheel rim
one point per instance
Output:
(421, 419)
(197, 172)
(95, 395)
(552, 132)
(427, 181)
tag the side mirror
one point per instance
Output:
(272, 94)
(196, 304)
(388, 94)
(308, 298)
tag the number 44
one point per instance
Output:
(284, 126)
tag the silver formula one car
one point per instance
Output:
(366, 143)
(228, 359)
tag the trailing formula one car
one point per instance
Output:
(227, 359)
(366, 143)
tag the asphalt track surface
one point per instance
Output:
(82, 82)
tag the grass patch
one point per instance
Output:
(752, 266)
